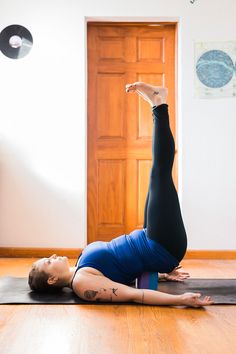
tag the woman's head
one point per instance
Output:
(49, 274)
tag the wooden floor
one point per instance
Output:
(123, 329)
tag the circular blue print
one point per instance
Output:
(215, 68)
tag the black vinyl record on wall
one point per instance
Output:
(15, 41)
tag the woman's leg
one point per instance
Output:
(163, 219)
(145, 211)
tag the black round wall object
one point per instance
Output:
(15, 41)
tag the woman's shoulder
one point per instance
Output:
(87, 271)
(85, 276)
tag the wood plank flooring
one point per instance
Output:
(113, 329)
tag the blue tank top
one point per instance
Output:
(126, 257)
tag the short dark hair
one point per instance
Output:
(37, 281)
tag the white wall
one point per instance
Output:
(43, 123)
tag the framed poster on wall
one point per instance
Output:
(215, 74)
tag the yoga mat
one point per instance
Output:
(16, 291)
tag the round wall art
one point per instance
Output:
(215, 68)
(15, 41)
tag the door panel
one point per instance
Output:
(120, 124)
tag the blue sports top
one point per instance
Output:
(126, 257)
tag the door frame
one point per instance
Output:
(152, 21)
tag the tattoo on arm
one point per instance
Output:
(114, 291)
(90, 294)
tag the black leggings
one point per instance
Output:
(162, 216)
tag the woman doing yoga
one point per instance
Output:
(105, 270)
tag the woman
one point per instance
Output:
(105, 270)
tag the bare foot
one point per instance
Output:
(154, 95)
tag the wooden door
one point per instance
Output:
(120, 125)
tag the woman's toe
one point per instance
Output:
(130, 87)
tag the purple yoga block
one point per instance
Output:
(147, 280)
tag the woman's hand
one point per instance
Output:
(176, 275)
(193, 300)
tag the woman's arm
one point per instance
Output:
(153, 297)
(101, 289)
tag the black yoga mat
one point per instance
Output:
(16, 291)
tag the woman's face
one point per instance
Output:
(54, 265)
